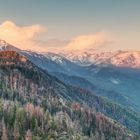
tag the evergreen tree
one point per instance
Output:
(4, 132)
(28, 135)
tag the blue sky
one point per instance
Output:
(66, 19)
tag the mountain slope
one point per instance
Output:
(35, 85)
(97, 77)
(52, 61)
(26, 88)
(84, 83)
(4, 46)
(117, 81)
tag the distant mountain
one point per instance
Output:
(52, 61)
(47, 61)
(37, 105)
(117, 58)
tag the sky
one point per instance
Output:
(44, 25)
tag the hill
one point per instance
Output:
(36, 105)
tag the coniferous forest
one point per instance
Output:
(37, 106)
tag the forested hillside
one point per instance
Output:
(35, 105)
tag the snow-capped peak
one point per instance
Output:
(117, 58)
(55, 57)
(4, 46)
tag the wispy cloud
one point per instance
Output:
(88, 42)
(28, 37)
(79, 43)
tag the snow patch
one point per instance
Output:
(115, 81)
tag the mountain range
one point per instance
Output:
(101, 95)
(128, 59)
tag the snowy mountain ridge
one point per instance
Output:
(4, 46)
(117, 58)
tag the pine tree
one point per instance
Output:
(4, 132)
(28, 135)
(16, 132)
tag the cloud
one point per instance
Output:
(79, 43)
(29, 37)
(88, 42)
(52, 44)
(21, 36)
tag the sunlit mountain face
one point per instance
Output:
(130, 59)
